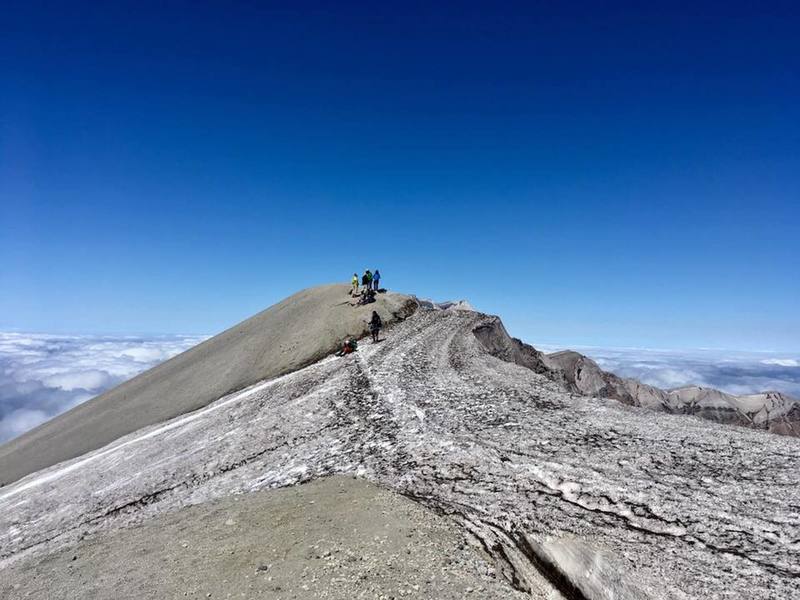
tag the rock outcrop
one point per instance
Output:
(447, 305)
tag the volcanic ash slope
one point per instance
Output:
(568, 496)
(294, 333)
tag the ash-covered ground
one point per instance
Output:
(616, 500)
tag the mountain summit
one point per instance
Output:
(481, 467)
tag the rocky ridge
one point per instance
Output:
(771, 411)
(570, 496)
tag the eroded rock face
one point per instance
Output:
(547, 481)
(582, 373)
(772, 411)
(427, 304)
(495, 339)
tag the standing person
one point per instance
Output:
(364, 280)
(376, 280)
(368, 273)
(375, 325)
(354, 291)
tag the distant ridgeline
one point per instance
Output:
(772, 411)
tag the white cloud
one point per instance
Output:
(19, 421)
(781, 362)
(44, 375)
(663, 378)
(143, 354)
(78, 380)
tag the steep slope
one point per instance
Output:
(294, 333)
(772, 410)
(601, 499)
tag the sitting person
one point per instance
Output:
(367, 296)
(349, 345)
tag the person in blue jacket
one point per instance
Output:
(376, 280)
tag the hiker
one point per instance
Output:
(368, 273)
(354, 291)
(365, 280)
(349, 345)
(375, 325)
(376, 280)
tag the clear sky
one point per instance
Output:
(595, 173)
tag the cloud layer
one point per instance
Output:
(729, 371)
(44, 375)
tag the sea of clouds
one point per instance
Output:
(44, 375)
(730, 371)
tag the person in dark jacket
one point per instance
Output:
(376, 280)
(375, 325)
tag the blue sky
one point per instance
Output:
(596, 174)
